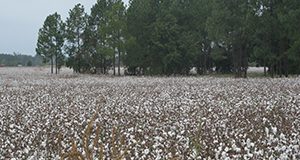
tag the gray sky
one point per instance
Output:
(20, 21)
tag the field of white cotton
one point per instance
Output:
(45, 116)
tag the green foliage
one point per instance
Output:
(116, 30)
(50, 41)
(168, 35)
(231, 25)
(171, 37)
(291, 21)
(18, 59)
(76, 24)
(104, 35)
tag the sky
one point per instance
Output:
(20, 21)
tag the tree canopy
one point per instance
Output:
(171, 37)
(50, 41)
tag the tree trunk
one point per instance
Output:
(265, 68)
(205, 64)
(272, 70)
(56, 67)
(51, 63)
(238, 62)
(119, 62)
(280, 68)
(286, 71)
(104, 66)
(245, 60)
(114, 63)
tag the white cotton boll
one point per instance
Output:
(252, 144)
(248, 142)
(226, 149)
(267, 130)
(146, 151)
(224, 155)
(13, 131)
(250, 155)
(158, 157)
(26, 151)
(259, 152)
(283, 148)
(217, 154)
(235, 148)
(274, 130)
(130, 129)
(296, 147)
(171, 133)
(134, 141)
(282, 136)
(182, 132)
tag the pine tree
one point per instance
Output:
(50, 41)
(231, 27)
(76, 25)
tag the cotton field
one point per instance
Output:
(45, 116)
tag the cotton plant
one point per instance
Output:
(46, 117)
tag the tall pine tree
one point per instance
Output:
(50, 41)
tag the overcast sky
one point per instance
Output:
(20, 21)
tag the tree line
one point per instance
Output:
(170, 37)
(16, 59)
